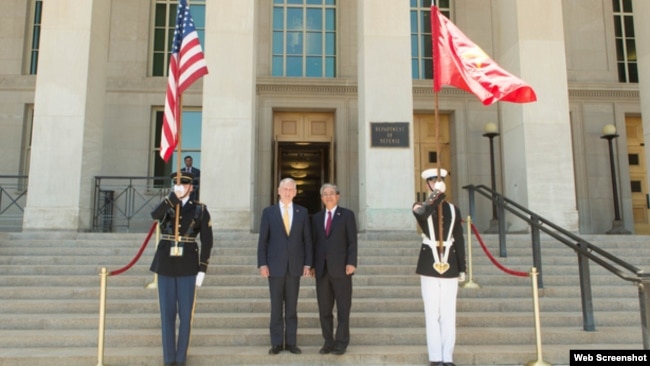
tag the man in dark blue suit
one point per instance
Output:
(189, 168)
(335, 260)
(284, 253)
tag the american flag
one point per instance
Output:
(186, 65)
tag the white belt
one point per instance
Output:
(433, 244)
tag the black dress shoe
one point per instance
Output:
(326, 349)
(436, 363)
(338, 350)
(293, 349)
(275, 350)
(449, 364)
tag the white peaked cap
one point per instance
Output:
(433, 173)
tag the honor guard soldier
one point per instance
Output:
(441, 265)
(180, 264)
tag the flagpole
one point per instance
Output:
(438, 178)
(436, 77)
(179, 118)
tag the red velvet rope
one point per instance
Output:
(494, 260)
(137, 256)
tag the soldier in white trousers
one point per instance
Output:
(441, 265)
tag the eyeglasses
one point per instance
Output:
(329, 194)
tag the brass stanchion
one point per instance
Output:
(103, 274)
(154, 284)
(538, 330)
(470, 281)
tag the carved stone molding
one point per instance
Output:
(610, 94)
(305, 89)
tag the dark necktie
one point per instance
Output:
(328, 224)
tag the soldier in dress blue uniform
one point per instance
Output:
(180, 264)
(441, 265)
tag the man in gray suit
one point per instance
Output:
(284, 253)
(335, 260)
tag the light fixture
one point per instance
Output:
(618, 226)
(299, 165)
(298, 174)
(492, 131)
(609, 130)
(491, 127)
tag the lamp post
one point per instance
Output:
(609, 134)
(492, 131)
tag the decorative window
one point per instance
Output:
(26, 151)
(163, 32)
(625, 41)
(190, 140)
(304, 38)
(421, 54)
(35, 36)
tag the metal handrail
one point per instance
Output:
(120, 203)
(13, 198)
(124, 202)
(585, 250)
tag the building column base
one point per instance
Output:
(618, 228)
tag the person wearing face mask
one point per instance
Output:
(179, 263)
(441, 266)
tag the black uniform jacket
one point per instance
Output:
(456, 257)
(194, 219)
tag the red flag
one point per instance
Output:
(186, 65)
(458, 62)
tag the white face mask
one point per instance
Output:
(440, 185)
(180, 189)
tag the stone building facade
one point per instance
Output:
(82, 86)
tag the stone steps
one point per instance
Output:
(245, 355)
(49, 301)
(307, 291)
(233, 320)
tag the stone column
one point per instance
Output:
(386, 187)
(68, 115)
(228, 113)
(536, 137)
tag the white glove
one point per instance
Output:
(461, 277)
(179, 190)
(199, 278)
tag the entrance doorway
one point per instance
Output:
(303, 151)
(308, 166)
(426, 156)
(638, 173)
